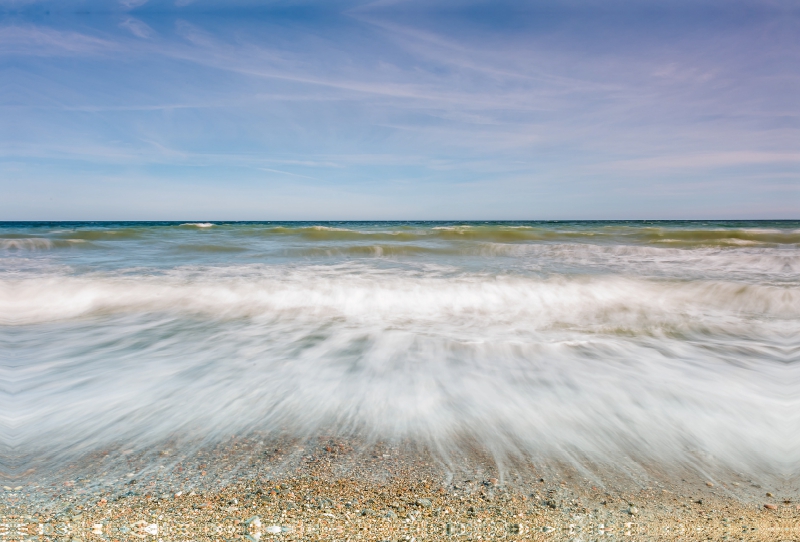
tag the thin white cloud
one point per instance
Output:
(45, 41)
(503, 65)
(706, 160)
(288, 173)
(16, 3)
(131, 4)
(679, 73)
(138, 28)
(403, 85)
(194, 34)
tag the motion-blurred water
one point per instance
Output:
(594, 340)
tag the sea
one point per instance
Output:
(591, 342)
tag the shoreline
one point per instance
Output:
(332, 491)
(304, 508)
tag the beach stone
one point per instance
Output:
(425, 503)
(632, 510)
(770, 506)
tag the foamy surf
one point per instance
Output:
(567, 349)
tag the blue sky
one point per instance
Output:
(395, 109)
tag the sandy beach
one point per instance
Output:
(335, 490)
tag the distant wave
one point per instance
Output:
(209, 248)
(38, 243)
(517, 234)
(512, 234)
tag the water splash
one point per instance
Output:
(580, 351)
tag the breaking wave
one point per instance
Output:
(619, 351)
(318, 293)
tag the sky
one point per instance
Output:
(399, 109)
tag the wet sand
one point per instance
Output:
(332, 490)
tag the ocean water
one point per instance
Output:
(607, 342)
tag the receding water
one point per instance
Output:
(593, 341)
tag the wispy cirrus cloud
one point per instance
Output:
(556, 103)
(195, 35)
(132, 4)
(137, 28)
(36, 40)
(697, 161)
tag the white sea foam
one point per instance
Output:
(604, 367)
(748, 265)
(26, 244)
(262, 292)
(330, 228)
(37, 243)
(564, 348)
(199, 224)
